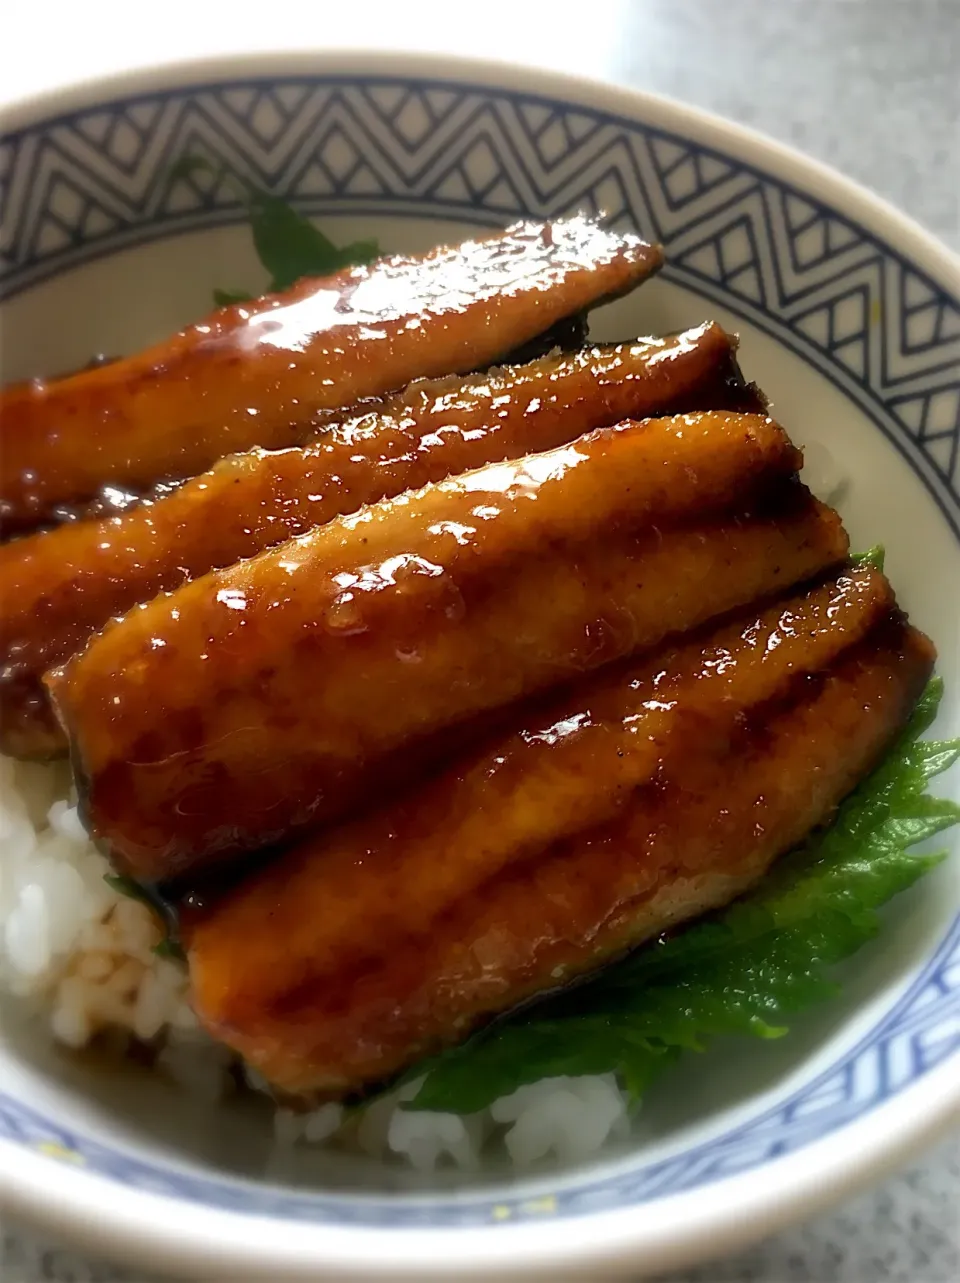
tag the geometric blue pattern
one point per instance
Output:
(920, 1032)
(95, 181)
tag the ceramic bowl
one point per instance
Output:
(850, 320)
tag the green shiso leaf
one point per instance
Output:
(872, 557)
(168, 947)
(745, 970)
(288, 245)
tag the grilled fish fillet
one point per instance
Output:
(253, 373)
(59, 587)
(264, 697)
(637, 801)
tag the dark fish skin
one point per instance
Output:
(262, 698)
(638, 800)
(60, 587)
(253, 374)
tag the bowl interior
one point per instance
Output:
(858, 350)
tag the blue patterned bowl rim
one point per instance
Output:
(746, 223)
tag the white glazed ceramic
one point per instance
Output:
(850, 320)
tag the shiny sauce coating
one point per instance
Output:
(59, 587)
(258, 699)
(252, 374)
(641, 798)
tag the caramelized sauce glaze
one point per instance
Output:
(258, 699)
(639, 800)
(252, 374)
(60, 587)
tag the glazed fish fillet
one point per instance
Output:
(264, 697)
(59, 587)
(640, 799)
(253, 373)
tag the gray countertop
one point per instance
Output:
(869, 86)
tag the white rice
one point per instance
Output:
(82, 953)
